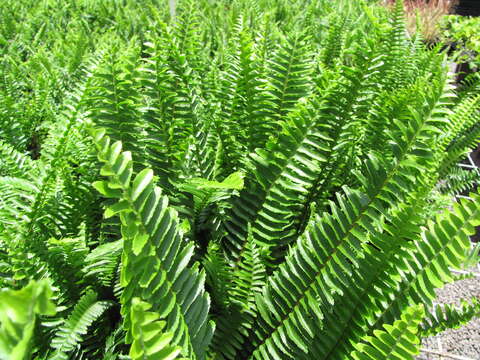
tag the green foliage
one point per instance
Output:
(150, 342)
(398, 341)
(449, 316)
(76, 325)
(18, 313)
(464, 32)
(254, 179)
(155, 258)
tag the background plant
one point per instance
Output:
(425, 16)
(463, 31)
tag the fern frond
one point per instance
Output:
(219, 278)
(69, 335)
(155, 258)
(14, 163)
(179, 120)
(396, 48)
(284, 172)
(288, 80)
(161, 145)
(66, 256)
(149, 340)
(460, 180)
(114, 98)
(235, 321)
(463, 133)
(334, 43)
(208, 198)
(114, 344)
(239, 95)
(448, 316)
(103, 261)
(342, 113)
(397, 341)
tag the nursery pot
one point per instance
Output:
(468, 8)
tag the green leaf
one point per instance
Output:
(149, 340)
(18, 311)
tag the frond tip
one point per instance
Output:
(69, 336)
(398, 341)
(149, 340)
(443, 317)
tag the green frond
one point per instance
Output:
(397, 341)
(180, 134)
(113, 349)
(288, 79)
(239, 95)
(235, 322)
(149, 339)
(161, 146)
(102, 262)
(14, 163)
(208, 198)
(459, 180)
(84, 314)
(463, 133)
(470, 85)
(345, 107)
(188, 33)
(334, 42)
(283, 173)
(155, 258)
(442, 317)
(114, 97)
(66, 256)
(219, 280)
(396, 47)
(18, 312)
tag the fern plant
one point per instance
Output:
(281, 189)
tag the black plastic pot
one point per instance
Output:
(468, 8)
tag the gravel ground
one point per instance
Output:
(464, 342)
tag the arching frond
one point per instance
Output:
(442, 317)
(155, 258)
(397, 341)
(84, 314)
(149, 340)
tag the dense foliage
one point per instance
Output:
(463, 31)
(253, 179)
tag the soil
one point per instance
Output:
(464, 342)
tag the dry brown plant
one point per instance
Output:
(425, 14)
